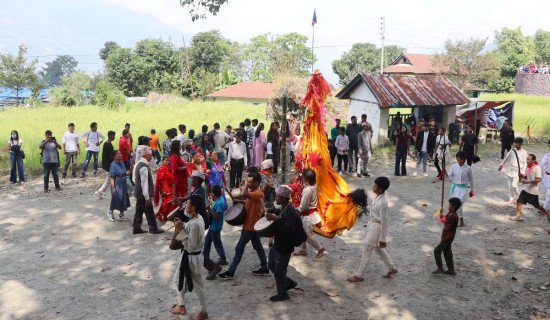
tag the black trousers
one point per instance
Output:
(444, 247)
(278, 264)
(469, 157)
(436, 164)
(340, 158)
(236, 172)
(504, 147)
(149, 214)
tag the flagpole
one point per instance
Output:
(312, 45)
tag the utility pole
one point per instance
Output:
(188, 68)
(383, 37)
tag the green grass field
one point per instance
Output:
(31, 123)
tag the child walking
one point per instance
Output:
(217, 210)
(342, 146)
(377, 230)
(447, 237)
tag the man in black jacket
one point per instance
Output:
(506, 138)
(287, 223)
(424, 146)
(352, 130)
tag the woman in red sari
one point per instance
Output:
(164, 188)
(179, 170)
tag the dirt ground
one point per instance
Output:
(62, 259)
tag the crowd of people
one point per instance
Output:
(184, 178)
(532, 67)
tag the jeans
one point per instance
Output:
(156, 155)
(88, 158)
(213, 236)
(278, 264)
(444, 247)
(149, 214)
(401, 157)
(253, 237)
(421, 156)
(70, 157)
(16, 163)
(53, 167)
(221, 157)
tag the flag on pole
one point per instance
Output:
(314, 21)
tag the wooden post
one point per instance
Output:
(283, 143)
(188, 68)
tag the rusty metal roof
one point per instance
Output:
(408, 91)
(246, 90)
(415, 64)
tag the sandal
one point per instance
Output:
(437, 271)
(451, 273)
(515, 219)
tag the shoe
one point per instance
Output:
(64, 176)
(83, 175)
(139, 231)
(425, 174)
(222, 263)
(226, 275)
(58, 188)
(122, 217)
(212, 274)
(156, 231)
(367, 174)
(111, 216)
(74, 175)
(260, 272)
(46, 190)
(279, 297)
(95, 173)
(359, 175)
(340, 173)
(415, 174)
(291, 285)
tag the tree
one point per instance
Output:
(53, 71)
(363, 57)
(464, 60)
(208, 50)
(267, 55)
(542, 46)
(16, 73)
(513, 49)
(74, 89)
(198, 8)
(107, 49)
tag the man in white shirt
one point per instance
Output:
(443, 148)
(425, 142)
(545, 163)
(92, 139)
(237, 160)
(516, 156)
(181, 136)
(71, 149)
(530, 192)
(220, 140)
(143, 191)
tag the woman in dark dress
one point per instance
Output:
(119, 194)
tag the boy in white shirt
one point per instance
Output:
(71, 149)
(342, 147)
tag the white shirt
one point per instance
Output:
(425, 142)
(219, 140)
(92, 138)
(181, 138)
(440, 142)
(533, 188)
(512, 162)
(462, 175)
(237, 151)
(342, 143)
(377, 232)
(546, 164)
(70, 140)
(269, 148)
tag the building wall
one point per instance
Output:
(533, 84)
(362, 100)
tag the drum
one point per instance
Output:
(177, 213)
(236, 193)
(265, 228)
(235, 215)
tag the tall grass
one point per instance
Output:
(31, 123)
(526, 108)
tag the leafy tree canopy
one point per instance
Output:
(513, 50)
(16, 72)
(108, 47)
(53, 71)
(198, 8)
(542, 46)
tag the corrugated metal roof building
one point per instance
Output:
(255, 92)
(427, 96)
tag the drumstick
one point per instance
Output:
(229, 193)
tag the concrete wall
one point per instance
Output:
(362, 100)
(535, 84)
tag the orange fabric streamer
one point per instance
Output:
(335, 207)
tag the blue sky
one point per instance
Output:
(80, 28)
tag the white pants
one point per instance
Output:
(308, 228)
(513, 188)
(547, 200)
(105, 184)
(198, 285)
(363, 165)
(366, 253)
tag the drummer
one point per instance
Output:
(253, 203)
(279, 256)
(268, 186)
(308, 213)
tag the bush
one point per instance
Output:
(106, 95)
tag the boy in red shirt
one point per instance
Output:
(447, 237)
(125, 148)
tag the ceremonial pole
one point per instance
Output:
(313, 22)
